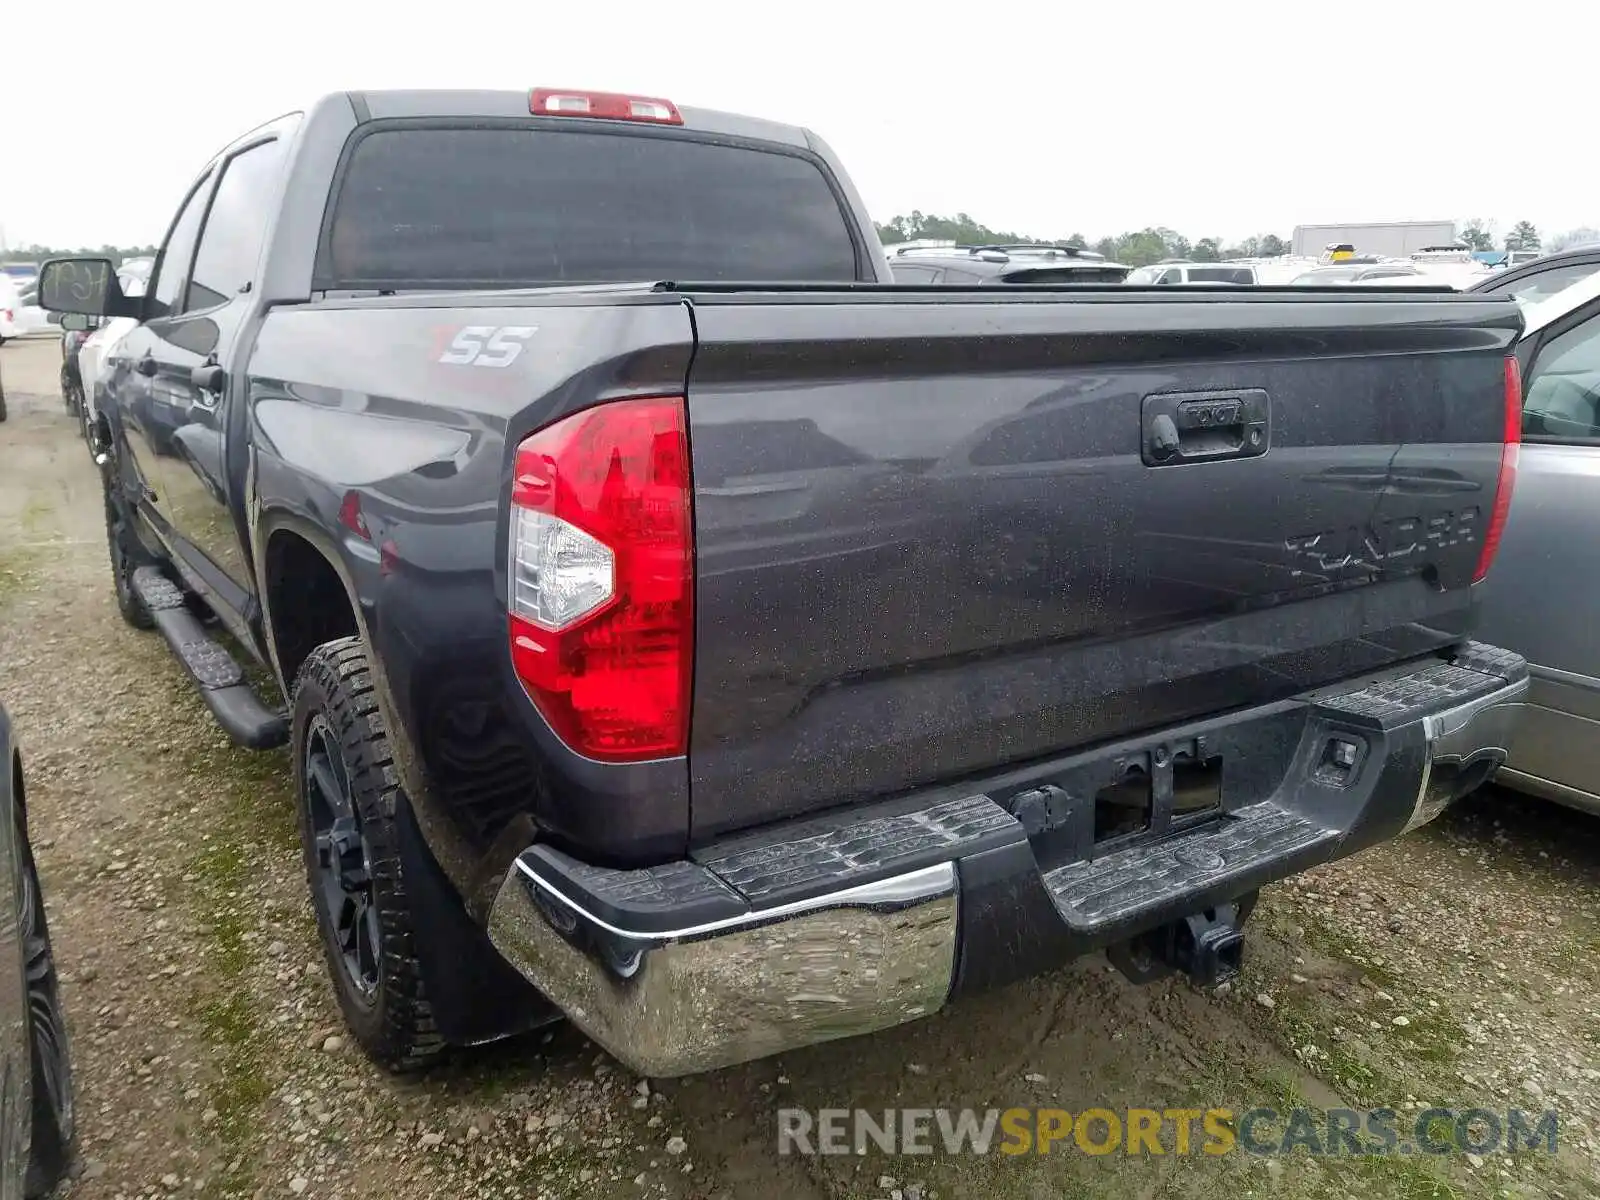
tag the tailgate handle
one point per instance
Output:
(1185, 427)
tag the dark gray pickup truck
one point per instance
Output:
(678, 626)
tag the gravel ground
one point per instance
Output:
(1457, 966)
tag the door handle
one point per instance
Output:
(146, 366)
(208, 377)
(1185, 427)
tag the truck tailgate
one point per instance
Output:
(940, 535)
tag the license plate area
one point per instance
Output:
(1131, 797)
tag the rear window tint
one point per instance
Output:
(1221, 275)
(465, 207)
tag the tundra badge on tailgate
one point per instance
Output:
(487, 345)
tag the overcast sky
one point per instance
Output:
(1220, 118)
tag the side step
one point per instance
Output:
(221, 681)
(1248, 847)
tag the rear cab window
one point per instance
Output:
(526, 205)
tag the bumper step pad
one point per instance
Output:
(1259, 842)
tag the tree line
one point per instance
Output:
(117, 254)
(1480, 235)
(1136, 248)
(1144, 246)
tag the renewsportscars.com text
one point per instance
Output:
(1175, 1131)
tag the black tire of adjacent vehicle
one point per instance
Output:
(126, 554)
(53, 1125)
(394, 1024)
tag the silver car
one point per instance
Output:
(1540, 596)
(36, 1124)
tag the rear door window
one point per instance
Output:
(535, 205)
(173, 269)
(236, 226)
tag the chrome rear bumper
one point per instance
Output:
(848, 923)
(685, 1000)
(1466, 745)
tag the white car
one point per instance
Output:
(10, 302)
(28, 316)
(1163, 274)
(97, 347)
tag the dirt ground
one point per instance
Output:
(1455, 967)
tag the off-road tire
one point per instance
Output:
(126, 555)
(393, 1023)
(53, 1124)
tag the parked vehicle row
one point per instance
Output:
(1542, 599)
(949, 263)
(1029, 264)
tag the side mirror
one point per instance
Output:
(72, 321)
(87, 286)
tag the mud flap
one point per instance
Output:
(475, 994)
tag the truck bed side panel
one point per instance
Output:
(391, 456)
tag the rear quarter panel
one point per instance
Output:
(351, 405)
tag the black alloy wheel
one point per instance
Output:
(351, 808)
(343, 867)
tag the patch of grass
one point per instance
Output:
(1407, 1178)
(227, 1012)
(1434, 1037)
(241, 1086)
(1335, 1060)
(35, 513)
(18, 569)
(1338, 944)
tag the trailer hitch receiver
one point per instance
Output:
(1206, 946)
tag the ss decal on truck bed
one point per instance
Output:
(487, 345)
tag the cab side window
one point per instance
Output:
(1563, 397)
(236, 225)
(166, 290)
(905, 273)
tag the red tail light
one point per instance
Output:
(609, 106)
(1510, 451)
(602, 578)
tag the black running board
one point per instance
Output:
(221, 681)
